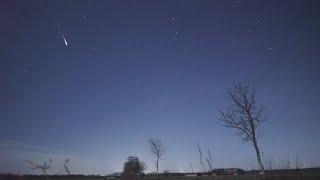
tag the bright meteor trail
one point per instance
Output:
(61, 33)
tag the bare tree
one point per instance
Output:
(210, 160)
(44, 168)
(244, 114)
(190, 164)
(66, 162)
(158, 150)
(200, 157)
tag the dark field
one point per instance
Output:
(283, 174)
(239, 177)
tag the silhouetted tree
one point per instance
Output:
(66, 162)
(44, 168)
(133, 168)
(190, 164)
(200, 157)
(158, 150)
(210, 160)
(244, 114)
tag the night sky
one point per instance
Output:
(133, 70)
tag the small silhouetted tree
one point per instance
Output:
(66, 162)
(200, 157)
(158, 150)
(244, 114)
(43, 167)
(209, 159)
(133, 168)
(191, 167)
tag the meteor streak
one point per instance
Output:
(62, 35)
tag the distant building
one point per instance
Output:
(228, 171)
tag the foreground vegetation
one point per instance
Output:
(239, 177)
(290, 174)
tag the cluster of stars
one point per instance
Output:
(174, 35)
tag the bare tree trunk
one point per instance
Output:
(258, 156)
(264, 177)
(157, 164)
(255, 144)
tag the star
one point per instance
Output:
(236, 3)
(84, 19)
(92, 50)
(196, 3)
(172, 19)
(268, 51)
(174, 35)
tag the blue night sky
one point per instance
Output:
(134, 70)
